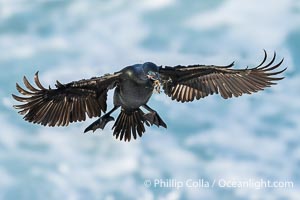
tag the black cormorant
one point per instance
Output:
(134, 86)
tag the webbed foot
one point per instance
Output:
(99, 123)
(154, 118)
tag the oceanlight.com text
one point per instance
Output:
(220, 183)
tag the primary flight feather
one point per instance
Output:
(133, 87)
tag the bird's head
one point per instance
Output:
(144, 74)
(151, 71)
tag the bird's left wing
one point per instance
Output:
(67, 102)
(185, 83)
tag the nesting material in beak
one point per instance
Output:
(156, 81)
(156, 85)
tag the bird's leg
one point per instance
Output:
(153, 117)
(102, 121)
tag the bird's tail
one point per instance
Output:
(130, 123)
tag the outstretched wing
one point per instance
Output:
(185, 83)
(66, 103)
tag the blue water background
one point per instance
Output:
(250, 137)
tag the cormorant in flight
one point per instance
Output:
(134, 86)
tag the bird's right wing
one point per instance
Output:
(66, 103)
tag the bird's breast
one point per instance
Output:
(132, 95)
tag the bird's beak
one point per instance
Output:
(156, 80)
(153, 76)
